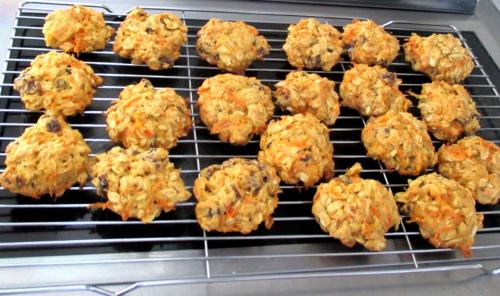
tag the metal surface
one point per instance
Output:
(181, 253)
(466, 6)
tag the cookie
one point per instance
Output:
(400, 141)
(372, 91)
(154, 40)
(447, 110)
(76, 29)
(138, 183)
(298, 147)
(57, 83)
(474, 163)
(231, 46)
(302, 92)
(444, 211)
(236, 196)
(47, 158)
(440, 56)
(355, 210)
(148, 117)
(369, 43)
(234, 107)
(312, 45)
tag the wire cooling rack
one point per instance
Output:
(40, 235)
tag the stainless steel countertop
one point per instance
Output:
(485, 22)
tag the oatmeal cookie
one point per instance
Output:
(231, 46)
(76, 29)
(372, 91)
(440, 56)
(474, 163)
(298, 147)
(400, 141)
(302, 92)
(154, 40)
(47, 158)
(138, 183)
(444, 211)
(369, 43)
(236, 196)
(147, 117)
(353, 209)
(447, 110)
(235, 107)
(313, 45)
(57, 83)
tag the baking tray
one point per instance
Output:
(65, 233)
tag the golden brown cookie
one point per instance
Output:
(369, 43)
(298, 147)
(235, 107)
(148, 117)
(353, 209)
(444, 210)
(447, 110)
(372, 91)
(47, 158)
(400, 141)
(474, 163)
(154, 40)
(76, 29)
(236, 196)
(313, 45)
(138, 183)
(231, 46)
(303, 92)
(57, 83)
(440, 56)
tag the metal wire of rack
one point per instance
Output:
(31, 230)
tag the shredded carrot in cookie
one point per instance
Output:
(47, 158)
(444, 210)
(474, 163)
(298, 147)
(138, 183)
(154, 40)
(148, 117)
(235, 107)
(302, 92)
(356, 210)
(76, 29)
(236, 196)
